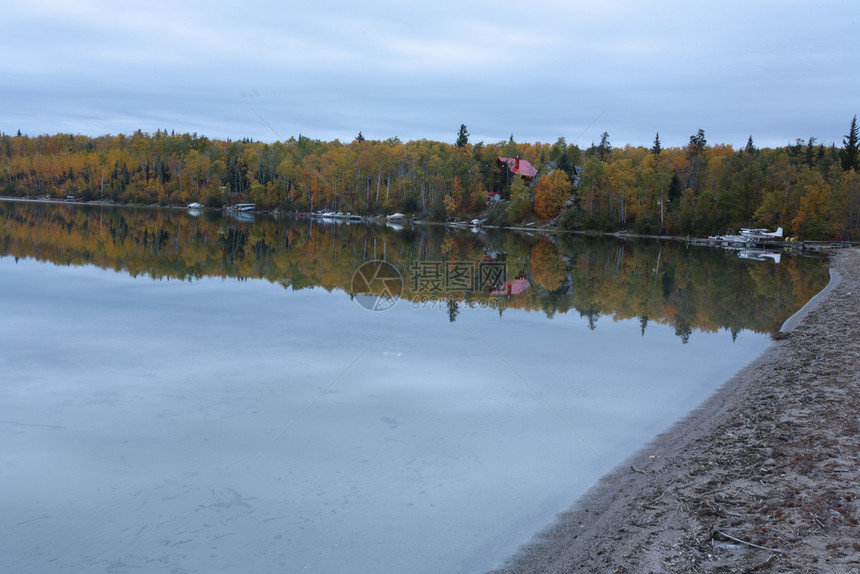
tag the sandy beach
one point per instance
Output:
(764, 476)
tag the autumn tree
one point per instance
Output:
(553, 190)
(454, 199)
(812, 218)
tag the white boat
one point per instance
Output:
(246, 207)
(195, 205)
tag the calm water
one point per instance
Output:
(186, 393)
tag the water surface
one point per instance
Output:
(186, 393)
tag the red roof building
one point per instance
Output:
(519, 167)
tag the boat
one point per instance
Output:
(195, 205)
(246, 207)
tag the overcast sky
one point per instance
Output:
(269, 70)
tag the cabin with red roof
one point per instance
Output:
(518, 166)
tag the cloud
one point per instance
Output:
(542, 70)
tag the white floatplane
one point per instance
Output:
(762, 234)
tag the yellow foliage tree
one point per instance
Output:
(552, 191)
(454, 199)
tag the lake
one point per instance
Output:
(193, 392)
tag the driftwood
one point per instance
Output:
(724, 535)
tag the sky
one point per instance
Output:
(538, 70)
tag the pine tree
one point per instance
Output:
(849, 147)
(656, 148)
(698, 143)
(605, 147)
(462, 136)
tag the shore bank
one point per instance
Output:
(764, 476)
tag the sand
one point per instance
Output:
(765, 476)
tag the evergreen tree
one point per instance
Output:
(512, 150)
(674, 190)
(564, 164)
(656, 148)
(359, 138)
(750, 148)
(810, 152)
(462, 136)
(558, 149)
(605, 147)
(696, 155)
(849, 147)
(698, 143)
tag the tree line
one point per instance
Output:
(809, 189)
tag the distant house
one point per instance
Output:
(518, 166)
(493, 197)
(551, 166)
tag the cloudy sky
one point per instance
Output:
(537, 70)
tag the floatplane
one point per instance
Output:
(762, 234)
(749, 243)
(747, 236)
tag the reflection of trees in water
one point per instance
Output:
(666, 283)
(453, 309)
(592, 314)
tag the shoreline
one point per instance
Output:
(382, 220)
(765, 474)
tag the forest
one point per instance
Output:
(653, 282)
(809, 189)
